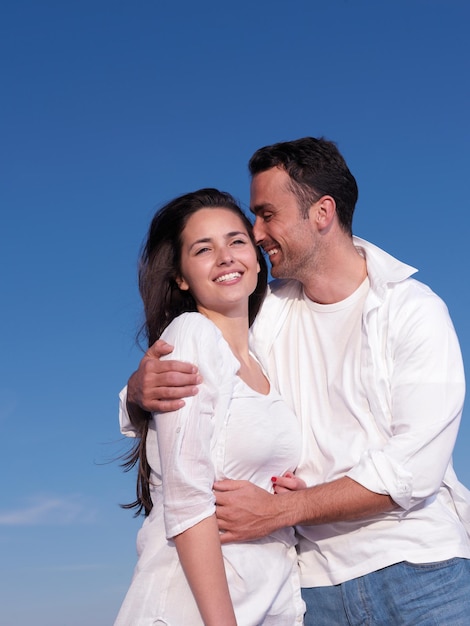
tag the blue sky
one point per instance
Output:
(110, 108)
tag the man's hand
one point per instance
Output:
(244, 511)
(160, 385)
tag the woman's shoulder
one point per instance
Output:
(198, 340)
(189, 323)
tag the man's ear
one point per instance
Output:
(325, 210)
(182, 284)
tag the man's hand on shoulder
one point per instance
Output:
(159, 385)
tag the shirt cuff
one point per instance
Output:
(381, 474)
(125, 424)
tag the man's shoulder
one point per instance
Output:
(412, 294)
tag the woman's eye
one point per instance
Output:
(201, 251)
(239, 241)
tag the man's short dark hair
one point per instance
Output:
(316, 168)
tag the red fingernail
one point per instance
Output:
(274, 479)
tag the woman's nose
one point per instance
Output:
(225, 257)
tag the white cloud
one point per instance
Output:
(47, 510)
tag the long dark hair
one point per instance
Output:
(163, 300)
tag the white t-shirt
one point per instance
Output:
(227, 430)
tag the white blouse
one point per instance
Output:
(227, 430)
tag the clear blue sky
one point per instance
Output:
(108, 109)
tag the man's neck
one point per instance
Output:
(342, 270)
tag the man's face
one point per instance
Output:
(286, 237)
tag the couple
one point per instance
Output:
(368, 359)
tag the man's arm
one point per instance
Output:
(428, 387)
(246, 512)
(159, 385)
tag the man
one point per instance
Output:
(369, 360)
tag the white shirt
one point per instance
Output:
(380, 402)
(227, 430)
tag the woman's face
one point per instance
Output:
(219, 265)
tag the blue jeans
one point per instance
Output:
(404, 594)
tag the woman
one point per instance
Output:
(202, 280)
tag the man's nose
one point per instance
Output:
(258, 231)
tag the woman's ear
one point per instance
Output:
(182, 284)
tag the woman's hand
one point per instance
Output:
(287, 482)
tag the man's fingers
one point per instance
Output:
(227, 537)
(185, 376)
(174, 393)
(167, 406)
(228, 485)
(152, 365)
(159, 348)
